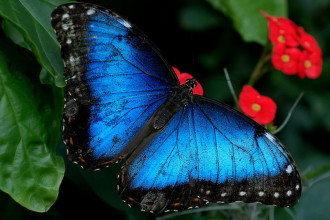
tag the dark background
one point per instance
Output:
(203, 47)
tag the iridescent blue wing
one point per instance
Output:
(116, 79)
(209, 152)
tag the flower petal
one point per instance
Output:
(286, 59)
(260, 108)
(247, 98)
(282, 31)
(310, 65)
(308, 42)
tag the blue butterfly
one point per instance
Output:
(183, 150)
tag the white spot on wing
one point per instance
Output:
(297, 186)
(65, 27)
(242, 193)
(289, 193)
(223, 194)
(65, 16)
(276, 194)
(90, 11)
(261, 193)
(72, 59)
(68, 41)
(289, 169)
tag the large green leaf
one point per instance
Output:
(27, 23)
(246, 16)
(317, 193)
(30, 171)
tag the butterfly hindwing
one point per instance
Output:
(209, 152)
(116, 80)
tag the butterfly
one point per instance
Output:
(182, 150)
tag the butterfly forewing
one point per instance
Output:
(116, 80)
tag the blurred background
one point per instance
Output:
(197, 38)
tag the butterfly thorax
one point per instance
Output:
(177, 99)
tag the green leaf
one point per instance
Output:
(30, 20)
(246, 16)
(317, 193)
(30, 171)
(15, 34)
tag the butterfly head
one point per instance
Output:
(187, 89)
(186, 80)
(191, 83)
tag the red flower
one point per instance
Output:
(308, 42)
(260, 108)
(198, 90)
(282, 31)
(286, 59)
(295, 51)
(310, 65)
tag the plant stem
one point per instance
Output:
(260, 69)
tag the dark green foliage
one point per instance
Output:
(30, 116)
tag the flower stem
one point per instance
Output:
(231, 88)
(260, 69)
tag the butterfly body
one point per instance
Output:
(123, 101)
(177, 100)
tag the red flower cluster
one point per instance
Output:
(198, 90)
(295, 51)
(260, 108)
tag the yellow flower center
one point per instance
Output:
(256, 107)
(308, 64)
(281, 39)
(285, 58)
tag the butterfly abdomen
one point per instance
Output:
(176, 101)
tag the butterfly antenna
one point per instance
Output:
(289, 114)
(230, 85)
